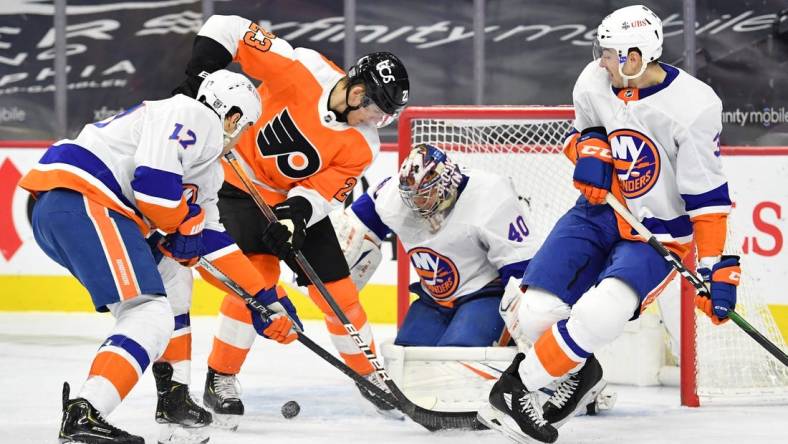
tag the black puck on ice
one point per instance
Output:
(290, 409)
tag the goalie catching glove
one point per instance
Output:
(279, 327)
(724, 279)
(288, 234)
(593, 174)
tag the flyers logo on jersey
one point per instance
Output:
(437, 273)
(296, 157)
(636, 160)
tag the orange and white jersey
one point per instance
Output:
(480, 240)
(296, 147)
(665, 145)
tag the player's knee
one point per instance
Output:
(342, 290)
(146, 319)
(600, 315)
(178, 285)
(538, 311)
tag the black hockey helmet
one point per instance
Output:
(385, 79)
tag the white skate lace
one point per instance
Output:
(564, 391)
(529, 405)
(226, 386)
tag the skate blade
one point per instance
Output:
(584, 401)
(225, 422)
(178, 434)
(497, 420)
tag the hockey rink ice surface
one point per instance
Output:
(39, 351)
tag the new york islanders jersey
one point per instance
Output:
(147, 163)
(138, 161)
(485, 236)
(665, 145)
(296, 147)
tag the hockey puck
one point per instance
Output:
(290, 409)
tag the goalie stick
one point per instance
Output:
(692, 278)
(430, 419)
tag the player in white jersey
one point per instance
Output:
(649, 133)
(464, 246)
(152, 167)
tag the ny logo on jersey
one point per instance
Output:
(438, 274)
(636, 160)
(296, 156)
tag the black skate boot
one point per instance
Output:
(223, 396)
(382, 406)
(181, 417)
(574, 393)
(83, 423)
(515, 411)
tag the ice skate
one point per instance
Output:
(574, 393)
(182, 420)
(82, 423)
(514, 410)
(223, 397)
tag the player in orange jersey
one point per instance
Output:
(316, 136)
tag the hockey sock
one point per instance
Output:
(179, 350)
(346, 295)
(144, 325)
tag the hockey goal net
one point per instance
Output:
(525, 144)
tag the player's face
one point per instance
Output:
(608, 59)
(368, 113)
(230, 125)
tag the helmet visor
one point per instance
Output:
(376, 115)
(606, 54)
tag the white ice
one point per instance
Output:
(39, 351)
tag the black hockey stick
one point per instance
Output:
(430, 419)
(302, 338)
(692, 278)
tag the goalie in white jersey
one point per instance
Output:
(152, 167)
(465, 234)
(649, 133)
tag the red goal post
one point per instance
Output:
(521, 135)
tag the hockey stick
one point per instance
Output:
(692, 278)
(430, 419)
(302, 338)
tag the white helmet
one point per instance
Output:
(630, 27)
(224, 91)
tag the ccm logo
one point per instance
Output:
(596, 151)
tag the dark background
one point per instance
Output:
(123, 52)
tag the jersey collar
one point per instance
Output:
(631, 94)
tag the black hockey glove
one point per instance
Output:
(289, 233)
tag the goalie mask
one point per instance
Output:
(632, 27)
(428, 183)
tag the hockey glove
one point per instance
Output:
(723, 278)
(278, 327)
(287, 235)
(594, 168)
(185, 245)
